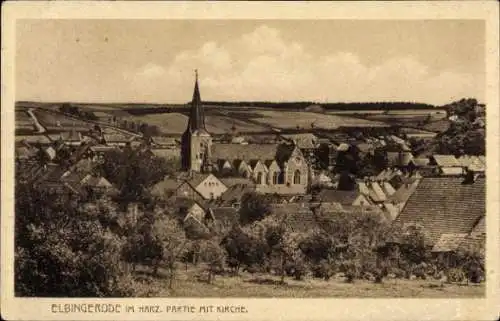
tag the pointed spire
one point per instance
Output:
(197, 115)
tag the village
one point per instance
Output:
(207, 181)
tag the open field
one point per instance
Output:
(176, 123)
(168, 123)
(191, 283)
(54, 121)
(23, 121)
(292, 119)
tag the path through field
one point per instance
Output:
(38, 126)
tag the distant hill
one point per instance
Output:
(299, 105)
(326, 106)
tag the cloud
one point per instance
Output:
(262, 65)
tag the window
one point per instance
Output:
(275, 178)
(296, 177)
(260, 178)
(212, 196)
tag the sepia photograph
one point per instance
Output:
(249, 158)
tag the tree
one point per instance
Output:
(161, 243)
(214, 257)
(254, 207)
(243, 249)
(63, 249)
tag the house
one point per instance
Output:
(118, 139)
(98, 184)
(446, 165)
(198, 187)
(306, 142)
(444, 205)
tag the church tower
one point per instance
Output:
(196, 141)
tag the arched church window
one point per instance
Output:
(261, 178)
(296, 177)
(275, 178)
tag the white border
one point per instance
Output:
(260, 309)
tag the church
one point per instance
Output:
(274, 168)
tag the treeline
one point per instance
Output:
(77, 112)
(327, 106)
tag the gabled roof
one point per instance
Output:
(404, 191)
(476, 165)
(96, 181)
(387, 188)
(225, 214)
(444, 205)
(197, 178)
(466, 160)
(376, 192)
(244, 152)
(446, 160)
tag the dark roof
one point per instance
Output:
(337, 196)
(225, 214)
(443, 205)
(248, 152)
(234, 193)
(240, 181)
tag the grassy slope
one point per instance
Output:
(187, 284)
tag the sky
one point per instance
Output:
(153, 61)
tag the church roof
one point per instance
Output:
(250, 152)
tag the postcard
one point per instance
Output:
(250, 161)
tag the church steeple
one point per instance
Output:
(196, 142)
(197, 115)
